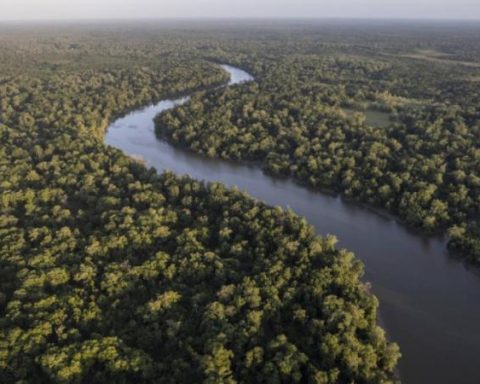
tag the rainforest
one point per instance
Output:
(115, 269)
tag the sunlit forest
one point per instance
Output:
(112, 272)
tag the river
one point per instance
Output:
(429, 303)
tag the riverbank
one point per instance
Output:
(428, 303)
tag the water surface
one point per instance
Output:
(429, 304)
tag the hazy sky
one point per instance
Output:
(101, 9)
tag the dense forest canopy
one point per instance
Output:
(110, 272)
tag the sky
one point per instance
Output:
(121, 9)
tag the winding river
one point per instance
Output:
(429, 304)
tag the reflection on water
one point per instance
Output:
(429, 304)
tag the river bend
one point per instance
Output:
(429, 304)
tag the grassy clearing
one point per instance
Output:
(372, 117)
(438, 57)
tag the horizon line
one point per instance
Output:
(238, 18)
